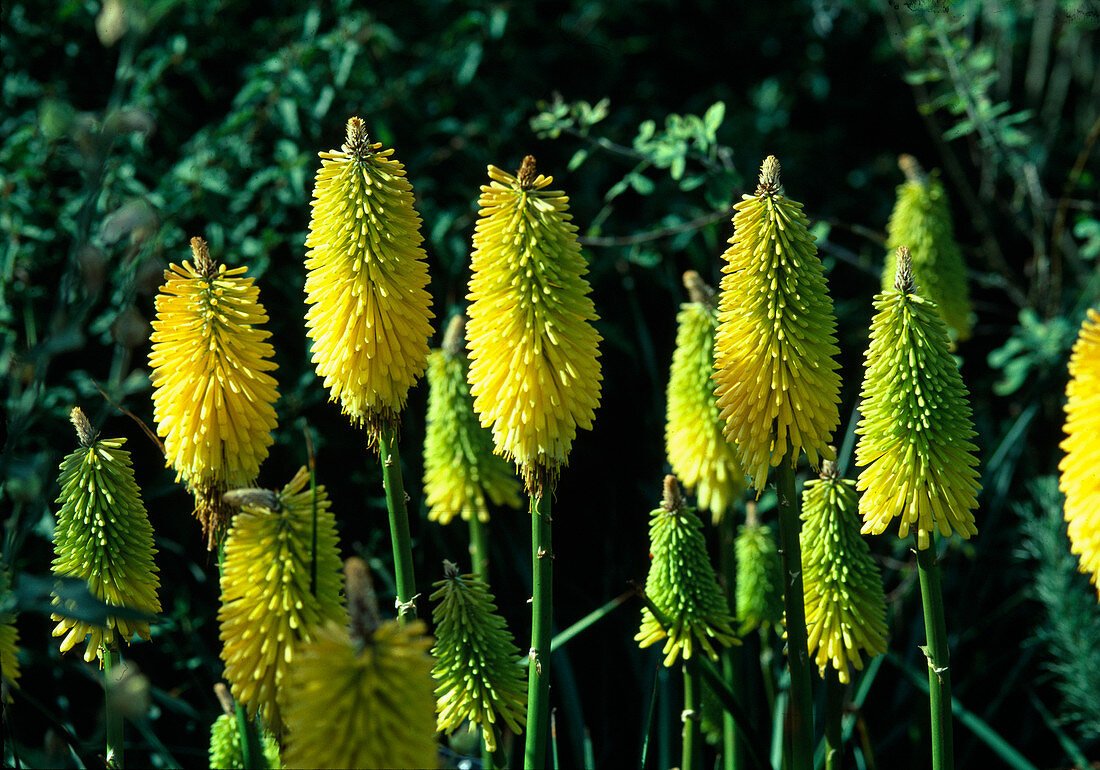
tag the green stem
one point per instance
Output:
(252, 754)
(800, 714)
(834, 711)
(399, 523)
(479, 547)
(732, 659)
(692, 752)
(939, 673)
(115, 755)
(538, 674)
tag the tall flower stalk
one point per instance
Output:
(1079, 480)
(777, 385)
(917, 458)
(212, 394)
(369, 315)
(534, 370)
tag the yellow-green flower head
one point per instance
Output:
(475, 659)
(225, 745)
(845, 602)
(212, 394)
(267, 602)
(921, 220)
(369, 308)
(697, 449)
(1080, 480)
(682, 584)
(103, 536)
(534, 358)
(461, 473)
(759, 591)
(9, 638)
(777, 381)
(918, 462)
(362, 703)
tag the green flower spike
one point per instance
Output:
(225, 745)
(460, 469)
(362, 697)
(700, 456)
(103, 537)
(475, 668)
(776, 377)
(845, 603)
(921, 220)
(759, 591)
(9, 637)
(682, 584)
(534, 357)
(918, 462)
(268, 602)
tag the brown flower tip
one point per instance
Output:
(455, 337)
(213, 513)
(363, 614)
(903, 277)
(527, 173)
(83, 427)
(769, 177)
(829, 469)
(263, 498)
(698, 290)
(672, 501)
(450, 568)
(357, 142)
(911, 167)
(221, 692)
(204, 263)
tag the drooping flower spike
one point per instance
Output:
(475, 669)
(776, 374)
(275, 589)
(212, 394)
(698, 451)
(915, 450)
(461, 472)
(369, 316)
(845, 601)
(103, 536)
(362, 698)
(921, 221)
(1080, 481)
(682, 584)
(534, 358)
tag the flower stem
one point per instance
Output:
(732, 659)
(800, 714)
(939, 673)
(538, 673)
(479, 547)
(691, 756)
(834, 711)
(394, 486)
(252, 755)
(115, 755)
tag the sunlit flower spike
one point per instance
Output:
(915, 450)
(212, 395)
(1080, 479)
(103, 536)
(698, 451)
(366, 283)
(776, 374)
(534, 368)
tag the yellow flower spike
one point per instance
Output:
(364, 697)
(212, 394)
(9, 638)
(461, 473)
(845, 602)
(103, 536)
(918, 462)
(369, 309)
(700, 456)
(534, 358)
(921, 221)
(268, 603)
(1080, 481)
(776, 376)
